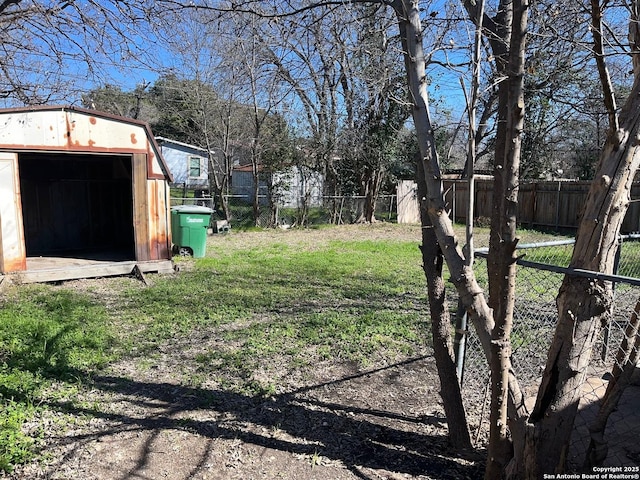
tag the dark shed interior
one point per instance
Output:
(77, 205)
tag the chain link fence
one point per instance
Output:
(535, 316)
(334, 210)
(540, 274)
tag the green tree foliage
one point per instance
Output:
(112, 99)
(278, 147)
(183, 107)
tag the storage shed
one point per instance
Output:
(82, 194)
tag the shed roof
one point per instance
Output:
(74, 129)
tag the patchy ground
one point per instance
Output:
(384, 423)
(334, 421)
(158, 417)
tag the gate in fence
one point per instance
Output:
(539, 276)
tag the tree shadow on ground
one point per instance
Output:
(356, 437)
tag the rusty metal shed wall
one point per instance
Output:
(12, 250)
(64, 130)
(79, 130)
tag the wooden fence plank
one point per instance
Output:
(555, 204)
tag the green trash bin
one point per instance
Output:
(189, 225)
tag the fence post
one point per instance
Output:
(607, 327)
(460, 340)
(558, 204)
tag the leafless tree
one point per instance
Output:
(47, 47)
(316, 68)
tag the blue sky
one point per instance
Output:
(148, 59)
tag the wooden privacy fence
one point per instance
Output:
(549, 204)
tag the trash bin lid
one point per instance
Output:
(192, 209)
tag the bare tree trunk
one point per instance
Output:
(462, 275)
(370, 188)
(584, 304)
(503, 241)
(255, 192)
(441, 328)
(217, 188)
(372, 195)
(506, 35)
(273, 202)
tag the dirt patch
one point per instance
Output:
(382, 423)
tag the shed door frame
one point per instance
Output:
(140, 207)
(12, 244)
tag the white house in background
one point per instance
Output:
(290, 184)
(188, 164)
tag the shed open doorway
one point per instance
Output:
(77, 206)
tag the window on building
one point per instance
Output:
(194, 167)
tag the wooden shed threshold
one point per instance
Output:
(54, 269)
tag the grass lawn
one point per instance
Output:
(291, 298)
(261, 308)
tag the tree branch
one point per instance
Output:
(249, 7)
(7, 3)
(603, 72)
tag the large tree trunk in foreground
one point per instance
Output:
(441, 329)
(462, 275)
(584, 304)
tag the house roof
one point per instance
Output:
(55, 128)
(247, 168)
(163, 140)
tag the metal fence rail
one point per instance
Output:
(540, 274)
